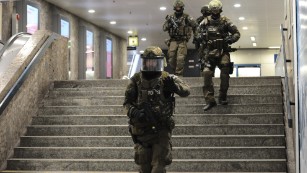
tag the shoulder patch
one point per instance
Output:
(136, 77)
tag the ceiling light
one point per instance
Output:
(162, 8)
(237, 5)
(141, 51)
(130, 32)
(113, 22)
(253, 38)
(274, 47)
(241, 18)
(91, 11)
(254, 44)
(245, 28)
(143, 39)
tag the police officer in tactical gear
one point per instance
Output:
(205, 13)
(217, 33)
(179, 27)
(149, 100)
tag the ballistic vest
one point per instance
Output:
(152, 93)
(183, 32)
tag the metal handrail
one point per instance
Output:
(11, 41)
(8, 97)
(288, 104)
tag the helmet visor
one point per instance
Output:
(152, 64)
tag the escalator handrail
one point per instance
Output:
(287, 97)
(11, 41)
(8, 97)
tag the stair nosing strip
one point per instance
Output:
(176, 160)
(175, 148)
(173, 136)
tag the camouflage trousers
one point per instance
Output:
(153, 156)
(208, 89)
(177, 53)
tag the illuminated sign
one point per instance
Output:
(133, 41)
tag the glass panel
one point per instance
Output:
(89, 55)
(109, 58)
(249, 71)
(32, 19)
(64, 28)
(217, 72)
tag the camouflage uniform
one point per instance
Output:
(205, 13)
(152, 133)
(217, 32)
(179, 27)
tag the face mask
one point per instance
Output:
(215, 16)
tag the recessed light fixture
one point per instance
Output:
(162, 8)
(113, 22)
(141, 51)
(245, 28)
(130, 32)
(274, 47)
(241, 18)
(143, 39)
(91, 11)
(254, 44)
(237, 5)
(253, 38)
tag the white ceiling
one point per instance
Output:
(143, 17)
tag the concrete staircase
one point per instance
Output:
(82, 126)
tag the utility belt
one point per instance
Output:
(179, 38)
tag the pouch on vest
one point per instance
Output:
(215, 48)
(136, 130)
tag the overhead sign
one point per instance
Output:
(133, 41)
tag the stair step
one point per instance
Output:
(192, 81)
(267, 118)
(177, 141)
(191, 99)
(128, 152)
(113, 172)
(85, 119)
(183, 109)
(120, 91)
(122, 130)
(197, 165)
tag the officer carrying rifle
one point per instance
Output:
(216, 33)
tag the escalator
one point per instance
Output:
(10, 49)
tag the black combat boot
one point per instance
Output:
(223, 101)
(209, 106)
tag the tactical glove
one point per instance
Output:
(169, 84)
(229, 40)
(138, 115)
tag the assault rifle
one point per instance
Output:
(170, 18)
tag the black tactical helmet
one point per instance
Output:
(205, 10)
(152, 59)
